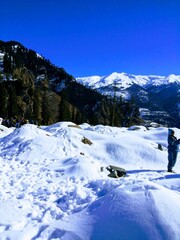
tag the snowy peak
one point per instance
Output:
(172, 78)
(125, 80)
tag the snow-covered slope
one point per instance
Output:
(52, 186)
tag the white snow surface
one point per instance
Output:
(52, 186)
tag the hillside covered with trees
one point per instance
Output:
(31, 87)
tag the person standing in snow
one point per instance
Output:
(172, 149)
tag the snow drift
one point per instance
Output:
(52, 186)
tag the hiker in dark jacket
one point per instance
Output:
(172, 149)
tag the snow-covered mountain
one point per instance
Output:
(123, 81)
(53, 186)
(151, 92)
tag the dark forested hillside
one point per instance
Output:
(31, 87)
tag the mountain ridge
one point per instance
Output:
(154, 93)
(128, 79)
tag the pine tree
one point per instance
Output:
(45, 110)
(13, 109)
(65, 113)
(37, 106)
(4, 97)
(7, 63)
(1, 77)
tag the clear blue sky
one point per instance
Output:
(98, 37)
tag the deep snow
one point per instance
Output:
(52, 186)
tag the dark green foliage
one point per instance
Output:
(13, 109)
(7, 64)
(4, 99)
(18, 58)
(64, 111)
(1, 77)
(46, 115)
(37, 106)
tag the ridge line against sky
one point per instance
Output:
(98, 37)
